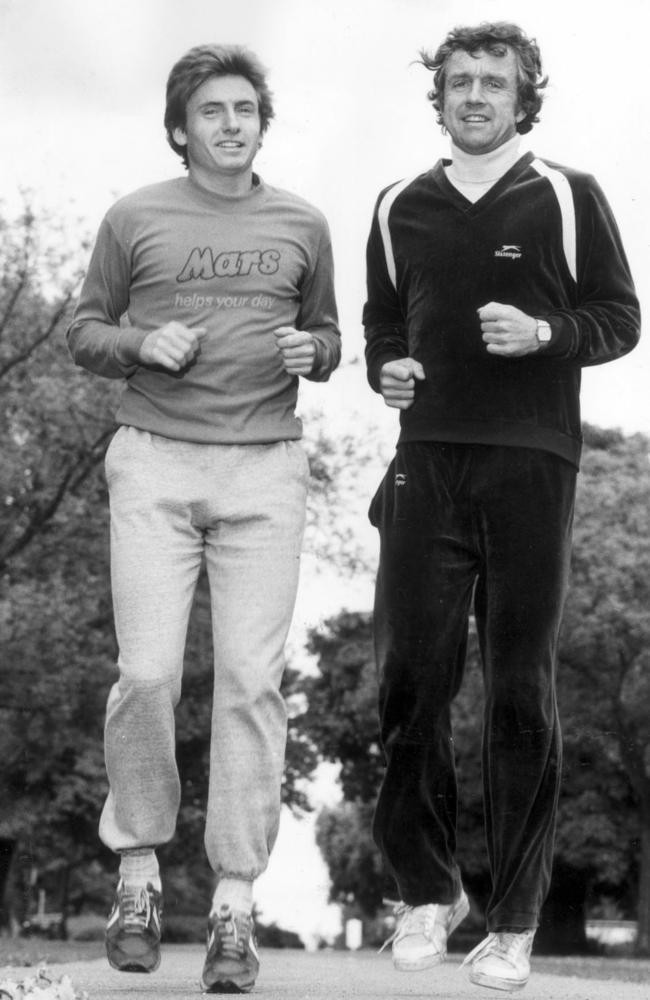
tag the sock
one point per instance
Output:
(140, 867)
(233, 892)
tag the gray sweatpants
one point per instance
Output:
(244, 507)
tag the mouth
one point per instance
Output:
(230, 144)
(475, 119)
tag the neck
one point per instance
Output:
(232, 186)
(485, 166)
(473, 176)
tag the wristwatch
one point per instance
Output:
(543, 332)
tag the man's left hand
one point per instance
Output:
(297, 349)
(508, 331)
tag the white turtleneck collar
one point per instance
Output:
(474, 175)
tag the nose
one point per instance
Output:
(231, 121)
(475, 95)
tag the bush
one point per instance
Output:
(184, 929)
(272, 936)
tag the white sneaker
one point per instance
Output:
(502, 960)
(420, 938)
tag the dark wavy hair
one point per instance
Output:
(197, 66)
(496, 39)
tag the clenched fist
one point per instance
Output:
(297, 349)
(397, 382)
(507, 330)
(172, 346)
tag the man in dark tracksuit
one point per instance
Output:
(492, 279)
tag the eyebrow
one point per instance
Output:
(244, 102)
(482, 76)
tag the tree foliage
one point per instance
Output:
(55, 423)
(340, 716)
(605, 670)
(54, 428)
(343, 834)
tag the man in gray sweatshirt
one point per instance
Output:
(210, 295)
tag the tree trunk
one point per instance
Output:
(643, 912)
(65, 894)
(7, 853)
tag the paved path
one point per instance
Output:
(331, 975)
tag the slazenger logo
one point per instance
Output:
(512, 250)
(400, 479)
(202, 263)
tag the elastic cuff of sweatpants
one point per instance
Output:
(239, 876)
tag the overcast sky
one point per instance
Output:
(82, 97)
(81, 103)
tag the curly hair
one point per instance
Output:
(496, 39)
(200, 64)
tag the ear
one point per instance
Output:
(519, 117)
(179, 136)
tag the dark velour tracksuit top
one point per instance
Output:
(542, 239)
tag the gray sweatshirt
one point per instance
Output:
(239, 266)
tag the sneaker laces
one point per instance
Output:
(136, 906)
(412, 920)
(233, 940)
(505, 944)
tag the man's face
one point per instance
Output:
(222, 128)
(481, 105)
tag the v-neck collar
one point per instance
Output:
(475, 207)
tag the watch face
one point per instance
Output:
(543, 333)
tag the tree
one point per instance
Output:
(54, 428)
(605, 666)
(356, 872)
(340, 715)
(55, 425)
(604, 700)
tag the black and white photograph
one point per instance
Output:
(324, 499)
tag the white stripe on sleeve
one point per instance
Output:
(563, 193)
(383, 210)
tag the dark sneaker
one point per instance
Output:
(133, 929)
(232, 962)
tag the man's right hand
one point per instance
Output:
(397, 382)
(172, 346)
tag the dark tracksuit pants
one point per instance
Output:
(494, 523)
